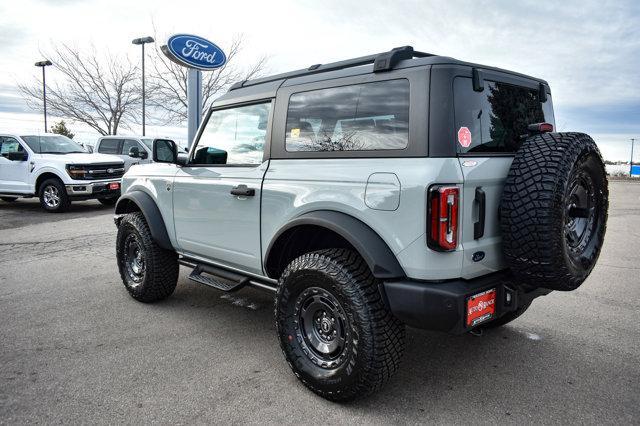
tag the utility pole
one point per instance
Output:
(142, 41)
(631, 162)
(43, 64)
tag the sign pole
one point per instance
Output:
(194, 103)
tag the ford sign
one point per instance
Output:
(194, 52)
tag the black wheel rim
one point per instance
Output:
(134, 259)
(322, 327)
(581, 213)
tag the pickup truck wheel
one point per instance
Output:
(108, 201)
(8, 199)
(53, 196)
(335, 331)
(149, 272)
(553, 211)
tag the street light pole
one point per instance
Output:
(142, 41)
(43, 64)
(631, 162)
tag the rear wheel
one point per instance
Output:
(335, 331)
(53, 196)
(8, 199)
(148, 271)
(553, 211)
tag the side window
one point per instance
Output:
(8, 145)
(362, 117)
(109, 146)
(234, 136)
(497, 116)
(128, 144)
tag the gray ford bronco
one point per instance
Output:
(395, 189)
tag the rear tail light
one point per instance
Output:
(442, 229)
(540, 128)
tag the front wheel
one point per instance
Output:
(148, 271)
(335, 331)
(53, 196)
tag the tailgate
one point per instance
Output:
(483, 178)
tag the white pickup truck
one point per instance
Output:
(57, 170)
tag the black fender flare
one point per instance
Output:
(151, 213)
(373, 249)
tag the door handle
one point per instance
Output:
(478, 227)
(243, 190)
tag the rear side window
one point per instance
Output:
(362, 117)
(497, 116)
(9, 145)
(109, 146)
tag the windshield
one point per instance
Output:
(147, 142)
(52, 144)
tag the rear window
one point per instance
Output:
(362, 117)
(497, 116)
(109, 146)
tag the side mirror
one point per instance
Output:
(134, 152)
(165, 151)
(183, 158)
(17, 156)
(144, 155)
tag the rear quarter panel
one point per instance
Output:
(293, 187)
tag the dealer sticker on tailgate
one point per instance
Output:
(481, 307)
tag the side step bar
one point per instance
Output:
(223, 279)
(218, 278)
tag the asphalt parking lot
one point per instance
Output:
(77, 349)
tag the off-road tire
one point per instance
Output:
(108, 201)
(8, 199)
(58, 187)
(536, 210)
(160, 273)
(375, 338)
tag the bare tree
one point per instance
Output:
(168, 83)
(100, 92)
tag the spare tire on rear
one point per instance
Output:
(553, 212)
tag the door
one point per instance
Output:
(14, 172)
(489, 125)
(217, 195)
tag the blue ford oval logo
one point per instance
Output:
(195, 52)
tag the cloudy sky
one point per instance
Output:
(589, 51)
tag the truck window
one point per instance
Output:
(128, 144)
(497, 116)
(361, 117)
(109, 146)
(234, 136)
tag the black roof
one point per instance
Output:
(399, 57)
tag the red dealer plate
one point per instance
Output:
(481, 307)
(114, 185)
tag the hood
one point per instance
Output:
(83, 158)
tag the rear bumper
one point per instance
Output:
(441, 306)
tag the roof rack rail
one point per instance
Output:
(384, 61)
